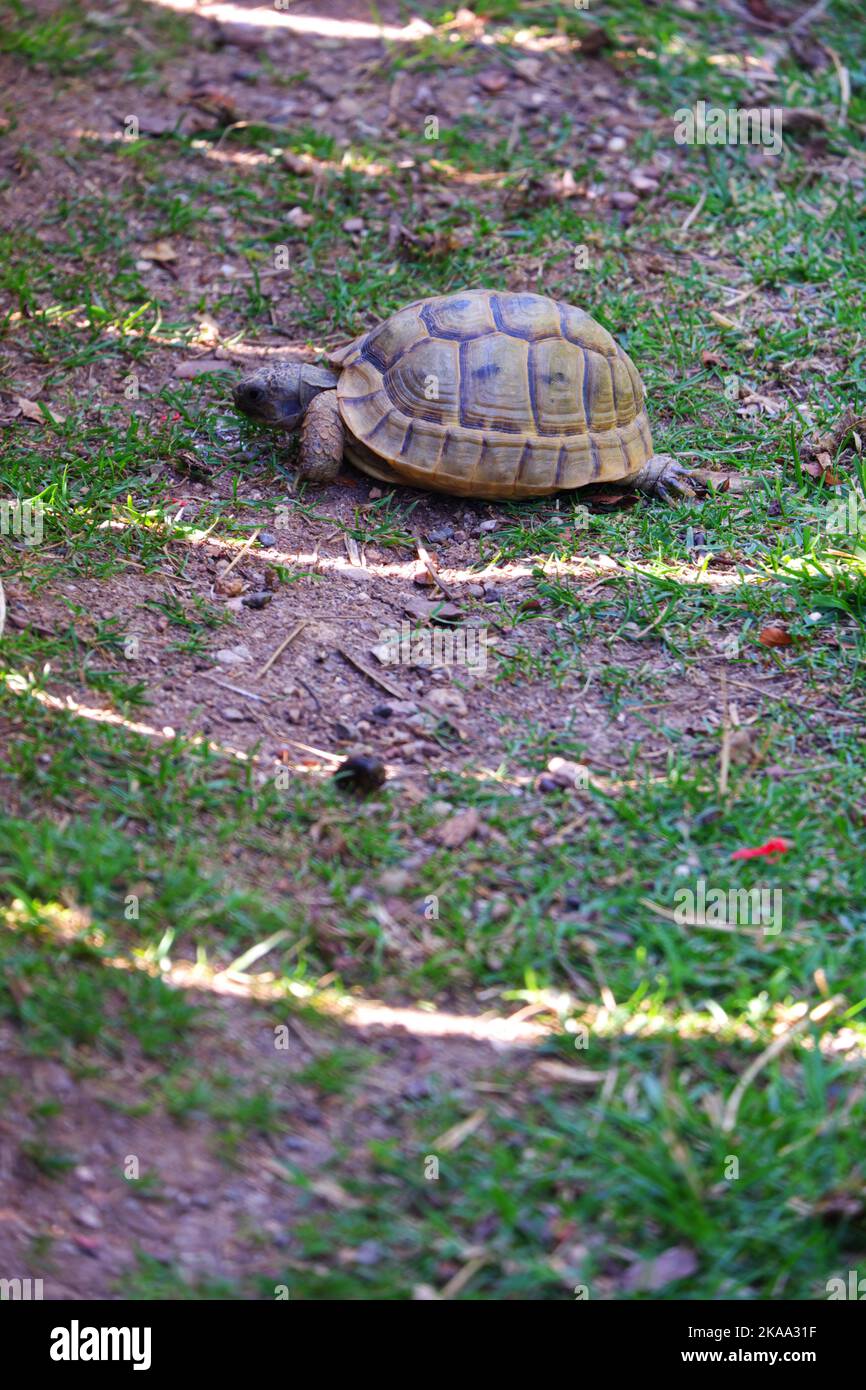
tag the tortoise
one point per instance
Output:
(478, 393)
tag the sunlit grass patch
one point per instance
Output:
(146, 873)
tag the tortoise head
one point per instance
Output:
(279, 394)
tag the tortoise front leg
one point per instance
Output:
(322, 438)
(663, 477)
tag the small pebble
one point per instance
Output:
(393, 880)
(89, 1217)
(642, 183)
(233, 656)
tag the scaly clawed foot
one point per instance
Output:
(666, 479)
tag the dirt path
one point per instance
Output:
(184, 556)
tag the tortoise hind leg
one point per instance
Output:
(322, 439)
(663, 477)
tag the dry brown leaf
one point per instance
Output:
(651, 1275)
(195, 366)
(528, 68)
(160, 251)
(726, 482)
(467, 22)
(775, 635)
(459, 1281)
(459, 828)
(301, 164)
(592, 38)
(398, 232)
(614, 497)
(326, 1188)
(849, 426)
(761, 10)
(215, 102)
(453, 1137)
(839, 1204)
(298, 218)
(765, 403)
(451, 701)
(418, 608)
(741, 745)
(31, 411)
(331, 1191)
(821, 466)
(493, 81)
(574, 1076)
(802, 119)
(565, 186)
(450, 239)
(231, 587)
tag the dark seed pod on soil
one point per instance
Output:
(360, 773)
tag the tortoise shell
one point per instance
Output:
(493, 395)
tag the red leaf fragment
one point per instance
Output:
(765, 851)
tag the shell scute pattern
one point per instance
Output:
(495, 395)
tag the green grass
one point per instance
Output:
(527, 1195)
(152, 1280)
(558, 1188)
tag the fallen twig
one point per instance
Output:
(278, 651)
(725, 759)
(427, 561)
(374, 676)
(694, 214)
(319, 752)
(844, 84)
(251, 540)
(778, 1045)
(237, 689)
(706, 926)
(393, 689)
